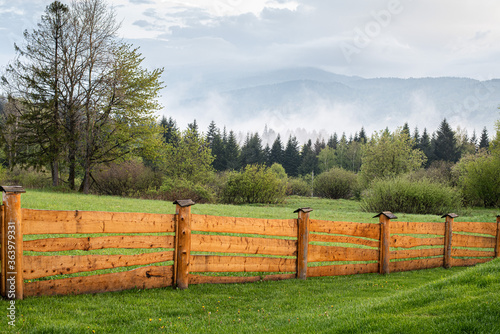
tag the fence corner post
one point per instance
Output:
(302, 241)
(385, 234)
(497, 247)
(448, 234)
(182, 251)
(12, 243)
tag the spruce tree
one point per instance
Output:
(484, 142)
(445, 144)
(277, 152)
(291, 158)
(232, 152)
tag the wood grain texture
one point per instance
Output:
(346, 228)
(464, 240)
(271, 227)
(412, 253)
(141, 278)
(43, 266)
(93, 243)
(417, 228)
(243, 245)
(212, 263)
(468, 262)
(340, 270)
(198, 279)
(416, 264)
(404, 241)
(482, 228)
(75, 222)
(343, 239)
(456, 252)
(333, 253)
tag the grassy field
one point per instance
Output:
(457, 300)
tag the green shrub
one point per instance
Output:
(255, 184)
(175, 189)
(130, 178)
(400, 194)
(27, 178)
(299, 187)
(336, 183)
(479, 179)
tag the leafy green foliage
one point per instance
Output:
(401, 194)
(255, 184)
(336, 183)
(479, 179)
(299, 187)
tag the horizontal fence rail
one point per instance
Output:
(72, 252)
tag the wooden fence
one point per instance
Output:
(183, 248)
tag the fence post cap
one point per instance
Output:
(305, 210)
(13, 189)
(184, 203)
(388, 214)
(451, 215)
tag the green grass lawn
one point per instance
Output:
(457, 300)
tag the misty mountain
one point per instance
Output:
(320, 100)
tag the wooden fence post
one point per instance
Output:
(182, 256)
(385, 233)
(12, 243)
(448, 234)
(497, 248)
(302, 241)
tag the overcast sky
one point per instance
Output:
(368, 38)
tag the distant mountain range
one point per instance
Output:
(314, 99)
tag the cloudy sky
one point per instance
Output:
(368, 38)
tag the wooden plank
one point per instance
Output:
(482, 228)
(343, 239)
(340, 270)
(464, 240)
(468, 262)
(412, 253)
(198, 279)
(93, 243)
(457, 252)
(244, 245)
(42, 266)
(272, 227)
(74, 222)
(141, 278)
(405, 241)
(346, 228)
(332, 253)
(417, 228)
(416, 264)
(211, 263)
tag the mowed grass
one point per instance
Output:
(457, 300)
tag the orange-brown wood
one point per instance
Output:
(448, 240)
(384, 250)
(13, 246)
(183, 253)
(93, 243)
(243, 245)
(413, 253)
(303, 223)
(339, 270)
(74, 222)
(497, 245)
(333, 253)
(464, 240)
(2, 252)
(42, 266)
(212, 263)
(404, 241)
(343, 239)
(346, 228)
(141, 278)
(198, 279)
(271, 227)
(417, 228)
(458, 252)
(468, 262)
(416, 264)
(482, 228)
